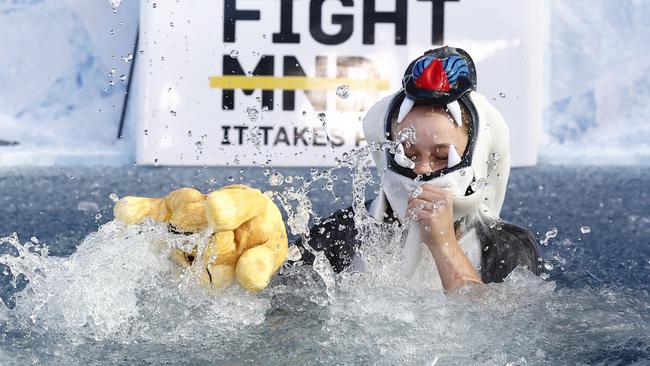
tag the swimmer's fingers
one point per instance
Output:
(432, 194)
(433, 189)
(420, 209)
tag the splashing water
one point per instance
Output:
(343, 91)
(119, 297)
(255, 136)
(322, 117)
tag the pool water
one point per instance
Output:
(103, 293)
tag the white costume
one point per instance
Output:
(487, 174)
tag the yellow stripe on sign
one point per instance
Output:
(294, 83)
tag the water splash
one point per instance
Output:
(343, 91)
(120, 292)
(107, 289)
(115, 3)
(322, 117)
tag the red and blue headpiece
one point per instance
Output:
(442, 77)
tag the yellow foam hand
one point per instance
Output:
(259, 232)
(249, 240)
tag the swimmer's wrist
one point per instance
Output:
(441, 237)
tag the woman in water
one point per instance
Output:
(443, 178)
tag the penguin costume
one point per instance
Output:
(476, 177)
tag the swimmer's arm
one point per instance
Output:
(454, 267)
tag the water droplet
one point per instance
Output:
(416, 192)
(34, 240)
(548, 266)
(549, 235)
(502, 95)
(294, 253)
(585, 229)
(323, 118)
(253, 113)
(146, 132)
(288, 179)
(100, 111)
(98, 216)
(276, 179)
(113, 197)
(230, 178)
(495, 157)
(343, 91)
(72, 177)
(155, 5)
(111, 73)
(112, 31)
(122, 77)
(171, 24)
(544, 276)
(234, 53)
(465, 290)
(304, 113)
(128, 57)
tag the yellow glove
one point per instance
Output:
(249, 239)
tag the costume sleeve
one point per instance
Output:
(335, 236)
(505, 247)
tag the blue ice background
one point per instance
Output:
(56, 96)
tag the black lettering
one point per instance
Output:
(286, 34)
(266, 129)
(438, 21)
(336, 137)
(359, 138)
(371, 17)
(230, 17)
(225, 140)
(231, 66)
(346, 21)
(240, 130)
(281, 137)
(317, 98)
(320, 138)
(300, 135)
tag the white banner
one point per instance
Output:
(286, 82)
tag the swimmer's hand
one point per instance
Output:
(433, 209)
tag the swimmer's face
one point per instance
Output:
(435, 131)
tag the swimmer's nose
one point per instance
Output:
(422, 168)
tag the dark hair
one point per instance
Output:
(506, 246)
